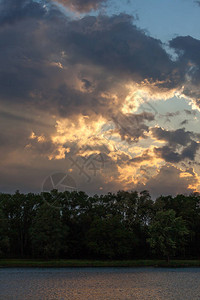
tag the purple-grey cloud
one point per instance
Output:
(181, 144)
(168, 181)
(68, 68)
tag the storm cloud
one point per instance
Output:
(168, 181)
(132, 127)
(71, 67)
(181, 144)
(187, 49)
(87, 69)
(12, 11)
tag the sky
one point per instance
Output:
(100, 95)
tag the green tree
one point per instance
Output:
(108, 238)
(167, 233)
(18, 210)
(47, 232)
(187, 207)
(4, 239)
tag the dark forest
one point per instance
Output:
(125, 225)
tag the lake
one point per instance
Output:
(99, 283)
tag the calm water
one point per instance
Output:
(100, 283)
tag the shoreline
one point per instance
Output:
(73, 263)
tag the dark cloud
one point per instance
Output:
(180, 144)
(168, 181)
(115, 43)
(8, 116)
(188, 49)
(179, 136)
(45, 148)
(82, 5)
(79, 67)
(43, 51)
(131, 127)
(32, 51)
(67, 67)
(26, 174)
(16, 129)
(30, 72)
(169, 155)
(14, 10)
(190, 151)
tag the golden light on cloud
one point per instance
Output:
(138, 172)
(59, 153)
(193, 180)
(147, 90)
(80, 130)
(39, 138)
(185, 174)
(133, 160)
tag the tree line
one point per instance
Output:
(122, 225)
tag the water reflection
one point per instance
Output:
(100, 283)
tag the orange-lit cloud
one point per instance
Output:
(90, 88)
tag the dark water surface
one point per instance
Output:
(99, 283)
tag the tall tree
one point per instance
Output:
(167, 233)
(4, 238)
(108, 238)
(47, 232)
